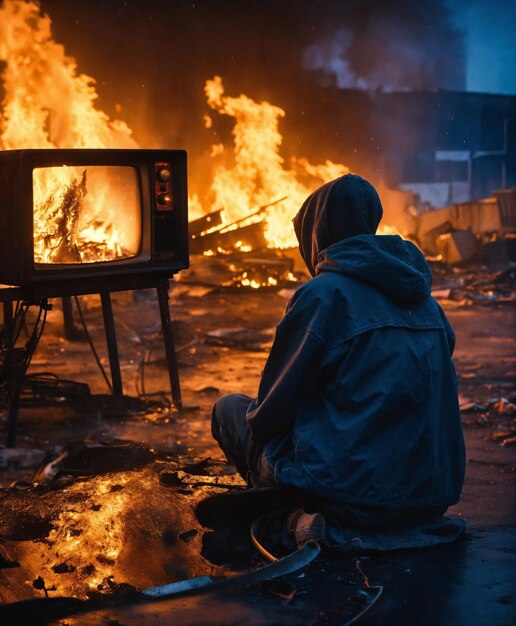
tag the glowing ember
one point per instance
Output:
(80, 535)
(105, 531)
(85, 546)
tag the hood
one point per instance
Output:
(342, 208)
(388, 262)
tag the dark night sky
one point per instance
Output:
(152, 52)
(152, 57)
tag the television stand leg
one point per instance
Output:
(109, 327)
(12, 416)
(8, 313)
(71, 331)
(168, 338)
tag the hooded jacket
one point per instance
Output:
(358, 399)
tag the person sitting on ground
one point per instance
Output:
(357, 406)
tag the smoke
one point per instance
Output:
(393, 45)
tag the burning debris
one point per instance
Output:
(253, 171)
(91, 531)
(67, 217)
(266, 269)
(236, 257)
(85, 215)
(226, 240)
(209, 236)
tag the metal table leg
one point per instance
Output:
(8, 312)
(12, 416)
(168, 338)
(109, 327)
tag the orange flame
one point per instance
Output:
(48, 104)
(258, 174)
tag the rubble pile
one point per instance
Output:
(266, 269)
(498, 413)
(473, 284)
(483, 231)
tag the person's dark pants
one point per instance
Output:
(230, 429)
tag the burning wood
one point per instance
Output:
(201, 225)
(68, 213)
(244, 259)
(84, 216)
(266, 269)
(244, 238)
(231, 236)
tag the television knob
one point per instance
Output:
(164, 174)
(164, 198)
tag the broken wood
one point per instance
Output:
(204, 223)
(200, 242)
(251, 235)
(254, 214)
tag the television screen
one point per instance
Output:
(80, 220)
(86, 214)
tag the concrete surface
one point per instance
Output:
(468, 583)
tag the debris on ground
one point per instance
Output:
(480, 229)
(20, 458)
(473, 284)
(266, 269)
(49, 532)
(242, 338)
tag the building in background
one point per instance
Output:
(447, 147)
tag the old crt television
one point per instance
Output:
(82, 220)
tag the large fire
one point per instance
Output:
(79, 218)
(48, 104)
(257, 175)
(252, 172)
(75, 216)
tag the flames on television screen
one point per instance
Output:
(85, 214)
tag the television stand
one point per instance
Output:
(168, 340)
(9, 294)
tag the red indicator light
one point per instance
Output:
(164, 198)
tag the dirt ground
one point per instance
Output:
(222, 339)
